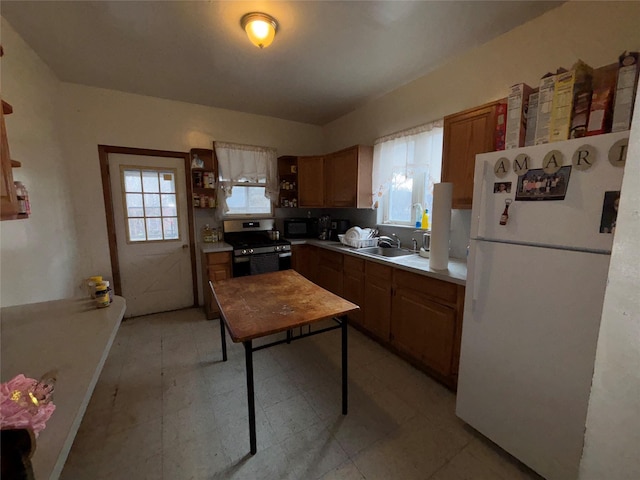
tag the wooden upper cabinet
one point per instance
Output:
(311, 181)
(8, 195)
(348, 177)
(465, 135)
(340, 179)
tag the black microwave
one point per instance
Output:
(300, 228)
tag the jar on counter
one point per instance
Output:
(102, 295)
(207, 234)
(91, 285)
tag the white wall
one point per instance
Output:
(49, 255)
(612, 440)
(596, 32)
(93, 116)
(39, 253)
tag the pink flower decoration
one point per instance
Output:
(25, 403)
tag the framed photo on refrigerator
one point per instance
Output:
(538, 185)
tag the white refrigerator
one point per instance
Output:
(534, 295)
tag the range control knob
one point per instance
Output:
(251, 250)
(244, 252)
(278, 248)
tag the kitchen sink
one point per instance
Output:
(385, 252)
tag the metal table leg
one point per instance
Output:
(248, 352)
(223, 336)
(345, 386)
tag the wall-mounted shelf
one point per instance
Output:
(204, 178)
(288, 178)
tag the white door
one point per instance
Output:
(152, 232)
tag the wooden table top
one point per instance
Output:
(259, 305)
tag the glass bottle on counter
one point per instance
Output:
(207, 234)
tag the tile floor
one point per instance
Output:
(167, 407)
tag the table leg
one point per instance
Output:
(288, 336)
(223, 337)
(345, 386)
(248, 353)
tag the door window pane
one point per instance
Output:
(167, 182)
(169, 207)
(134, 205)
(151, 204)
(137, 233)
(154, 229)
(170, 226)
(132, 181)
(150, 181)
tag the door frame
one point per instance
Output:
(103, 154)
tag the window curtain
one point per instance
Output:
(246, 163)
(412, 152)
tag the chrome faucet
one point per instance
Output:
(384, 241)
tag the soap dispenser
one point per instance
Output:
(424, 224)
(418, 208)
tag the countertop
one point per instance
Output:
(71, 337)
(456, 272)
(215, 247)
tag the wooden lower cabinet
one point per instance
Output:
(416, 316)
(330, 271)
(215, 266)
(377, 299)
(427, 322)
(353, 286)
(304, 260)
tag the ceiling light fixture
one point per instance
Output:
(260, 27)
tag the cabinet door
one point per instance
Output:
(353, 285)
(311, 182)
(423, 329)
(216, 266)
(465, 135)
(304, 260)
(330, 271)
(377, 299)
(341, 178)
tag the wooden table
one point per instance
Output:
(259, 305)
(71, 337)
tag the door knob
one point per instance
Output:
(185, 246)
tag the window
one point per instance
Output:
(248, 179)
(247, 199)
(405, 168)
(151, 209)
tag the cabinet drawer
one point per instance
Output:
(218, 258)
(353, 264)
(436, 289)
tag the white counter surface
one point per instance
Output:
(72, 337)
(456, 272)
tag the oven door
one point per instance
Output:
(261, 263)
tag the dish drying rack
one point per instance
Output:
(359, 243)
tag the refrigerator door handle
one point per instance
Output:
(476, 267)
(479, 199)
